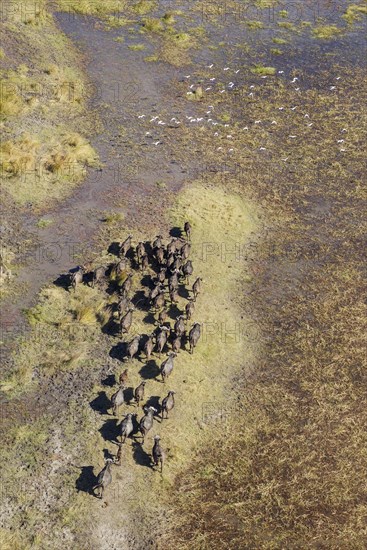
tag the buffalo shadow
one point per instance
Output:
(150, 370)
(101, 403)
(86, 480)
(176, 232)
(141, 457)
(63, 281)
(109, 381)
(110, 430)
(119, 351)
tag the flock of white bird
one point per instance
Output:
(209, 117)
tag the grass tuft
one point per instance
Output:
(169, 18)
(255, 25)
(11, 102)
(326, 32)
(151, 58)
(276, 51)
(154, 25)
(261, 70)
(44, 222)
(10, 540)
(144, 6)
(92, 7)
(279, 41)
(137, 47)
(354, 13)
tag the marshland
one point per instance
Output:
(133, 118)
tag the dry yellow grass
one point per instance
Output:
(10, 540)
(102, 7)
(32, 13)
(62, 323)
(221, 222)
(6, 267)
(45, 166)
(19, 157)
(92, 7)
(11, 102)
(46, 91)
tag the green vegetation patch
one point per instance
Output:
(255, 25)
(326, 32)
(144, 6)
(169, 18)
(279, 41)
(288, 26)
(137, 47)
(355, 13)
(151, 58)
(175, 47)
(92, 7)
(261, 70)
(275, 51)
(44, 222)
(114, 21)
(154, 25)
